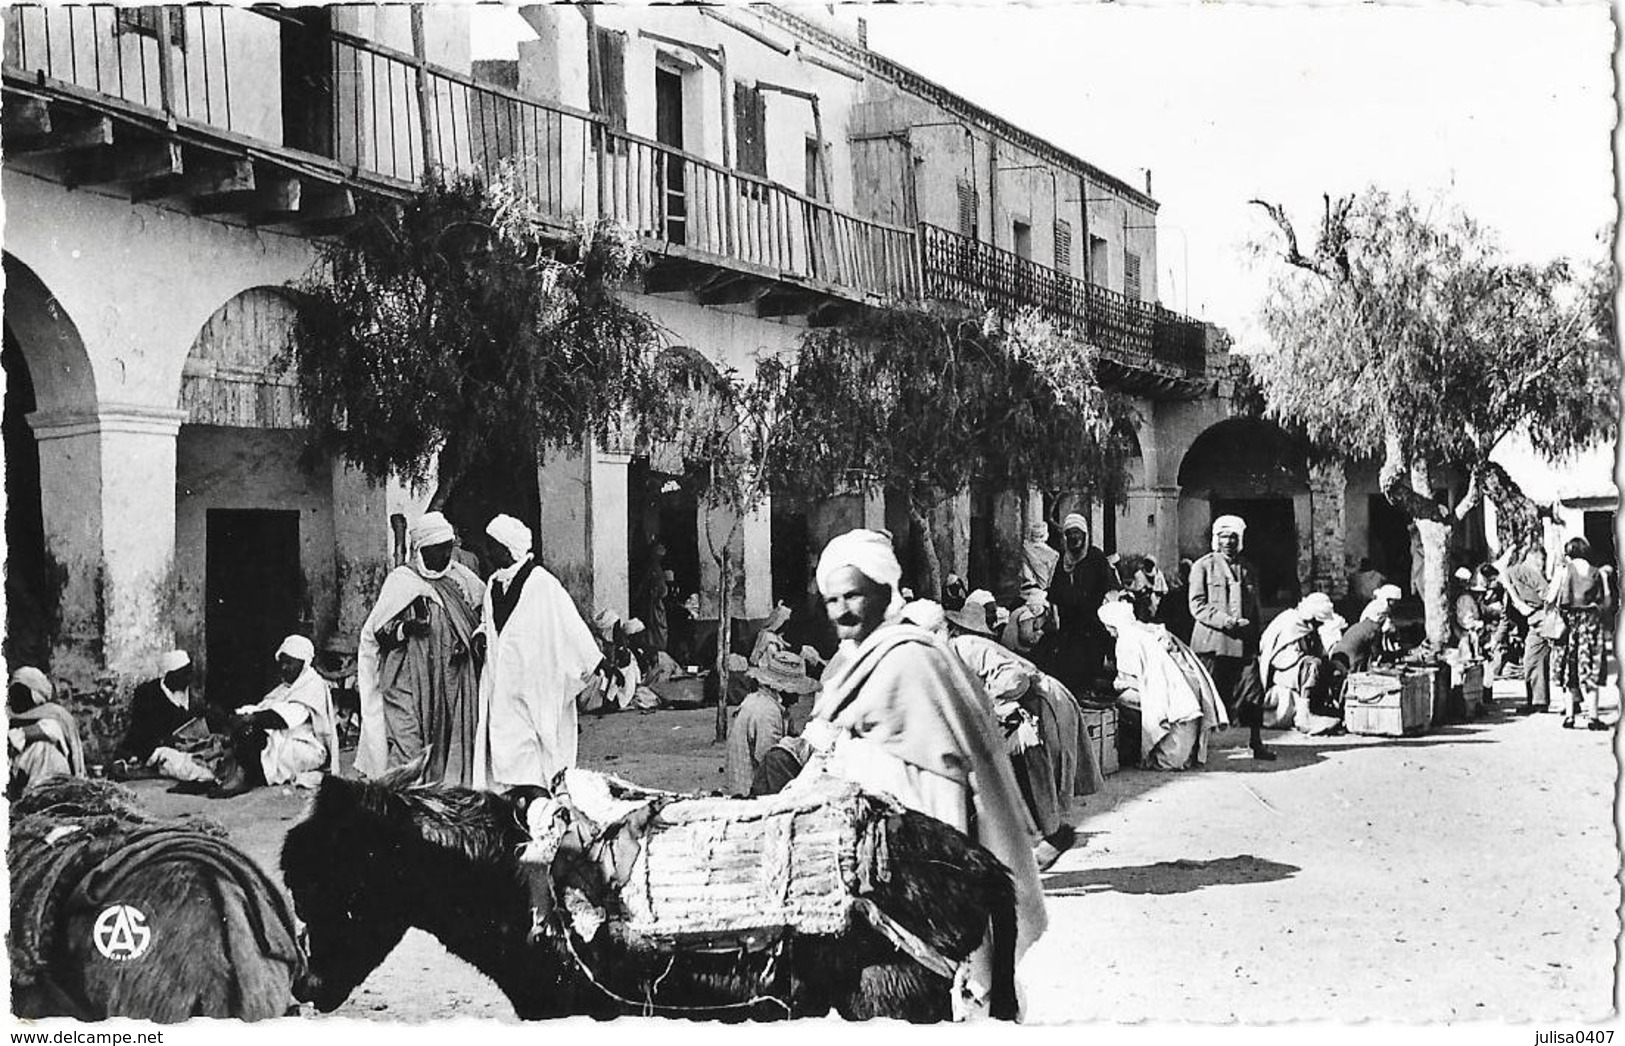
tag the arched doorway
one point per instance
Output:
(49, 604)
(1250, 468)
(254, 520)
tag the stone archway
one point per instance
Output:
(255, 528)
(53, 506)
(1251, 468)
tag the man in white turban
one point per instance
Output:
(42, 737)
(1224, 602)
(161, 707)
(1292, 668)
(898, 713)
(416, 667)
(1075, 652)
(540, 656)
(288, 734)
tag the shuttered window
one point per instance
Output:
(750, 129)
(1063, 246)
(1131, 275)
(611, 98)
(967, 209)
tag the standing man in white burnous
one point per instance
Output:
(539, 656)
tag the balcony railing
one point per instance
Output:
(381, 113)
(961, 269)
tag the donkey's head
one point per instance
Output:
(342, 865)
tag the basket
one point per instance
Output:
(714, 866)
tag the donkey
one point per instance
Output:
(371, 859)
(115, 914)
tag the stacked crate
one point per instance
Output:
(1102, 725)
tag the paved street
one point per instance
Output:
(1468, 874)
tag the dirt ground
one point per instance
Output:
(1468, 874)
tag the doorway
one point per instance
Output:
(307, 82)
(1599, 534)
(30, 604)
(1389, 541)
(1271, 545)
(251, 592)
(669, 131)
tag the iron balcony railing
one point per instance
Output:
(387, 115)
(961, 269)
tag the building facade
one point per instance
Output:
(170, 172)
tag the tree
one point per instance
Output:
(927, 403)
(1411, 338)
(454, 327)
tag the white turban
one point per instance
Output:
(1316, 606)
(1230, 525)
(299, 648)
(634, 627)
(174, 661)
(1074, 521)
(1381, 601)
(1387, 593)
(870, 554)
(514, 535)
(1117, 614)
(36, 681)
(927, 614)
(432, 528)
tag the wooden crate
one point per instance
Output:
(1102, 724)
(1383, 704)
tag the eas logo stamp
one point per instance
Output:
(121, 933)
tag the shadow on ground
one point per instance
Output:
(1167, 877)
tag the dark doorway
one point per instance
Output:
(791, 574)
(669, 131)
(307, 81)
(30, 601)
(1271, 545)
(1599, 534)
(1389, 539)
(500, 481)
(666, 506)
(251, 589)
(982, 566)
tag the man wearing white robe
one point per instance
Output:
(290, 732)
(540, 655)
(898, 713)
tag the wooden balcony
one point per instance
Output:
(159, 104)
(1143, 347)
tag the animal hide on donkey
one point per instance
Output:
(196, 928)
(370, 860)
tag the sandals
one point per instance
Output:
(1568, 722)
(1598, 724)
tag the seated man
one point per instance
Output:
(41, 736)
(287, 734)
(1292, 669)
(763, 718)
(1161, 679)
(160, 708)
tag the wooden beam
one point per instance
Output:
(200, 178)
(65, 132)
(318, 205)
(24, 116)
(732, 289)
(787, 303)
(124, 162)
(669, 275)
(274, 195)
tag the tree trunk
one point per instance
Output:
(725, 605)
(931, 584)
(1435, 541)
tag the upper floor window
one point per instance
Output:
(750, 126)
(1021, 240)
(968, 207)
(1131, 275)
(1063, 246)
(814, 164)
(144, 21)
(1098, 261)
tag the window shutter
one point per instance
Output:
(611, 100)
(967, 209)
(1063, 247)
(750, 126)
(1131, 275)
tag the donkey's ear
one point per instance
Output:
(406, 774)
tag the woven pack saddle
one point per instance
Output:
(671, 873)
